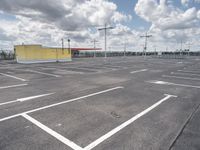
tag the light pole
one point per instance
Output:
(62, 45)
(69, 47)
(94, 42)
(105, 30)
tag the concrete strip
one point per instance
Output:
(53, 133)
(125, 124)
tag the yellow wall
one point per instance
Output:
(37, 53)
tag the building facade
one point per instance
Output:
(40, 54)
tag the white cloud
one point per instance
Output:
(170, 24)
(68, 15)
(165, 16)
(48, 21)
(185, 2)
(119, 17)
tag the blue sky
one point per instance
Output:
(5, 16)
(127, 7)
(47, 22)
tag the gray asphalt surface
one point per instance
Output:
(153, 102)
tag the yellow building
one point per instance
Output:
(40, 54)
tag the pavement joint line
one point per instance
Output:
(179, 77)
(179, 73)
(25, 99)
(184, 126)
(7, 75)
(170, 83)
(125, 124)
(44, 73)
(136, 71)
(60, 103)
(65, 70)
(52, 132)
(12, 86)
(188, 71)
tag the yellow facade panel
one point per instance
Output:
(37, 54)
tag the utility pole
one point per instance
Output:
(181, 45)
(124, 48)
(181, 51)
(189, 46)
(62, 45)
(105, 30)
(155, 49)
(94, 42)
(146, 36)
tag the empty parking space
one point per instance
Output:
(101, 104)
(19, 133)
(99, 114)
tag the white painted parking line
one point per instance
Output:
(190, 74)
(176, 84)
(25, 99)
(5, 103)
(9, 72)
(125, 124)
(60, 103)
(48, 74)
(178, 77)
(136, 71)
(189, 71)
(33, 97)
(12, 86)
(7, 75)
(53, 133)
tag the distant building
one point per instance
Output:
(40, 54)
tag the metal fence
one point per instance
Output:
(110, 54)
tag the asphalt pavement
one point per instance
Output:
(119, 103)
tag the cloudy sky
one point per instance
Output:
(46, 22)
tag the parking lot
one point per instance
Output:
(124, 103)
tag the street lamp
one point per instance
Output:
(94, 42)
